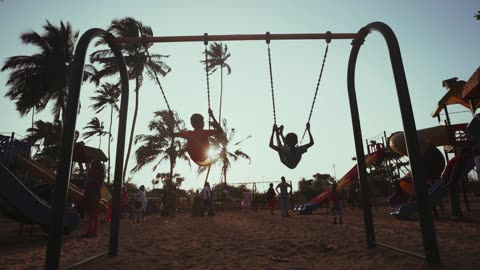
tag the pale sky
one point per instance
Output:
(438, 39)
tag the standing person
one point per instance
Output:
(91, 198)
(283, 186)
(140, 204)
(197, 209)
(207, 199)
(270, 196)
(336, 210)
(246, 199)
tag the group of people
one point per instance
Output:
(96, 174)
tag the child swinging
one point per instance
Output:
(198, 144)
(290, 154)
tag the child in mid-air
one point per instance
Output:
(197, 139)
(336, 210)
(290, 154)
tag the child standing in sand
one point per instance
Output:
(140, 204)
(91, 198)
(336, 210)
(270, 196)
(207, 199)
(246, 199)
(283, 186)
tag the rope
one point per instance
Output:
(318, 83)
(271, 79)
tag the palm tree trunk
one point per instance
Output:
(132, 131)
(221, 96)
(109, 142)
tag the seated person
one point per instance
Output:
(290, 154)
(197, 139)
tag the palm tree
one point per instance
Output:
(37, 79)
(107, 95)
(217, 57)
(224, 143)
(44, 136)
(160, 146)
(137, 59)
(96, 129)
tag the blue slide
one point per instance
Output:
(19, 203)
(435, 193)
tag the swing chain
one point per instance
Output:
(171, 113)
(205, 42)
(271, 77)
(328, 40)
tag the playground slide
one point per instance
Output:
(47, 175)
(429, 139)
(345, 181)
(435, 193)
(20, 204)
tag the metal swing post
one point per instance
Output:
(418, 172)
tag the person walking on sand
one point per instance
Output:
(91, 198)
(140, 204)
(283, 186)
(207, 199)
(336, 210)
(270, 196)
(246, 200)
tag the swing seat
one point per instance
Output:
(206, 162)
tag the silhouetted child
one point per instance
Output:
(270, 196)
(336, 209)
(131, 211)
(198, 144)
(91, 198)
(290, 154)
(140, 204)
(283, 186)
(246, 200)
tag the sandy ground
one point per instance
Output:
(232, 240)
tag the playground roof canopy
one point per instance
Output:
(453, 95)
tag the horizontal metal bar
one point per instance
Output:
(133, 40)
(86, 260)
(402, 251)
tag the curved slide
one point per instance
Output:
(438, 190)
(345, 181)
(19, 203)
(434, 164)
(49, 176)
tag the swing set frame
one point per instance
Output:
(52, 259)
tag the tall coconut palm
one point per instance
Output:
(37, 79)
(227, 151)
(107, 95)
(137, 61)
(217, 57)
(44, 136)
(96, 128)
(161, 146)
